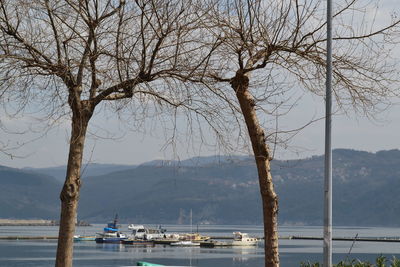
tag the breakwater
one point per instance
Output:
(28, 237)
(9, 222)
(12, 222)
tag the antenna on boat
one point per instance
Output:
(116, 220)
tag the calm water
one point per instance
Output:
(42, 253)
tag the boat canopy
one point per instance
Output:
(109, 229)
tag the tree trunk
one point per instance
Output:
(70, 193)
(240, 83)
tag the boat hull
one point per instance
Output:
(185, 244)
(165, 241)
(213, 244)
(84, 238)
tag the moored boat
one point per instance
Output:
(239, 239)
(146, 233)
(111, 233)
(243, 239)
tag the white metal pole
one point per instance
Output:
(328, 145)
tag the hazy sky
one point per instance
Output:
(135, 148)
(127, 147)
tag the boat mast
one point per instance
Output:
(191, 221)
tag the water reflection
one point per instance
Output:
(109, 247)
(16, 253)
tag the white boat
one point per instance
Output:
(141, 232)
(239, 239)
(185, 244)
(243, 239)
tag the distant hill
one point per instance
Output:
(28, 195)
(215, 193)
(91, 169)
(221, 190)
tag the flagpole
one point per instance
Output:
(328, 145)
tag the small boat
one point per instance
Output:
(185, 244)
(84, 238)
(111, 233)
(195, 238)
(243, 239)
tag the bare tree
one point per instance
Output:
(268, 47)
(70, 56)
(73, 56)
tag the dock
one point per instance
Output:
(358, 239)
(351, 239)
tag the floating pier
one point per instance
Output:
(358, 239)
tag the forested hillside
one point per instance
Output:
(218, 190)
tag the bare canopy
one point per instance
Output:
(70, 56)
(270, 49)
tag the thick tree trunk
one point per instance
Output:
(70, 193)
(240, 84)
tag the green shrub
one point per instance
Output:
(381, 261)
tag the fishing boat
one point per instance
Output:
(111, 233)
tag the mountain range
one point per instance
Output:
(218, 190)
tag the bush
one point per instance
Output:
(381, 261)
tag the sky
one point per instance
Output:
(121, 146)
(127, 147)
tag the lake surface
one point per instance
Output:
(15, 253)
